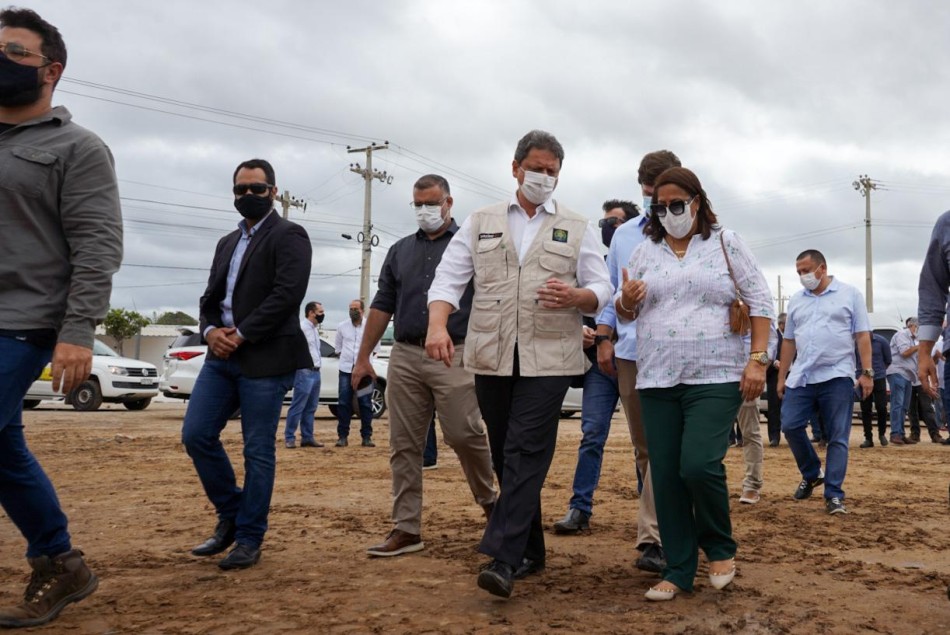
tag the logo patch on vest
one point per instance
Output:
(488, 236)
(559, 235)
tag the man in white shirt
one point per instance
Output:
(349, 333)
(537, 267)
(306, 384)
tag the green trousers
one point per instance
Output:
(687, 430)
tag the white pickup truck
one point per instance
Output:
(114, 379)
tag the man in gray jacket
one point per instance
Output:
(61, 240)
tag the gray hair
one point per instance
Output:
(542, 141)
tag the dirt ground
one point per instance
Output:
(136, 508)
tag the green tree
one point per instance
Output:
(121, 324)
(176, 318)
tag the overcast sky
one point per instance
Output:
(777, 106)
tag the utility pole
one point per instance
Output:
(287, 201)
(781, 300)
(366, 237)
(864, 185)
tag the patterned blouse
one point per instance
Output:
(683, 334)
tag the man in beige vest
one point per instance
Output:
(536, 267)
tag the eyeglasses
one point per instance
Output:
(240, 189)
(676, 208)
(415, 205)
(17, 52)
(611, 221)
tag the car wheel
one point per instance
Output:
(29, 404)
(86, 396)
(567, 414)
(378, 399)
(138, 404)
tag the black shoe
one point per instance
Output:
(528, 567)
(368, 442)
(241, 557)
(573, 522)
(773, 444)
(651, 559)
(883, 439)
(222, 539)
(806, 487)
(867, 444)
(496, 578)
(835, 506)
(342, 442)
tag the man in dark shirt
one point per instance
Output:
(881, 359)
(419, 385)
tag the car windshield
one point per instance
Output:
(186, 339)
(101, 350)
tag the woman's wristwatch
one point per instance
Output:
(761, 357)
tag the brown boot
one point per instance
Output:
(914, 437)
(935, 437)
(54, 583)
(896, 439)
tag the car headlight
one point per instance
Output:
(118, 370)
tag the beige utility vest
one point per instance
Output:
(506, 310)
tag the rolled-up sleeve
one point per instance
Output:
(592, 271)
(455, 269)
(92, 223)
(934, 281)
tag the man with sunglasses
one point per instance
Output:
(248, 316)
(61, 242)
(418, 385)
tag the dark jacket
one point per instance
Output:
(272, 281)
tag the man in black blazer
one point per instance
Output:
(249, 311)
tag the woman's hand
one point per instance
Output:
(753, 381)
(632, 292)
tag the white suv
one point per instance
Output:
(114, 379)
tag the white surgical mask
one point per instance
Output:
(809, 281)
(537, 187)
(429, 218)
(678, 226)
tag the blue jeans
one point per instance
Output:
(345, 409)
(835, 400)
(219, 390)
(430, 455)
(900, 402)
(597, 408)
(26, 493)
(303, 405)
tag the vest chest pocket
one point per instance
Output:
(26, 170)
(491, 260)
(558, 258)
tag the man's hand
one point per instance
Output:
(221, 342)
(361, 369)
(605, 358)
(439, 345)
(70, 367)
(753, 381)
(867, 386)
(556, 294)
(588, 336)
(927, 372)
(780, 387)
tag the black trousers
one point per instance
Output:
(521, 415)
(921, 407)
(877, 398)
(774, 413)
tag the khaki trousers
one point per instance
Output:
(748, 418)
(647, 530)
(417, 385)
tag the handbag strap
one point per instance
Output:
(732, 275)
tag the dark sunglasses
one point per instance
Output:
(676, 208)
(611, 221)
(256, 188)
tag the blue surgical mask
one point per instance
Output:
(647, 202)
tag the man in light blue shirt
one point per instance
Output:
(822, 321)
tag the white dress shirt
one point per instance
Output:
(347, 345)
(458, 266)
(313, 340)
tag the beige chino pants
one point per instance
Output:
(752, 454)
(647, 529)
(417, 385)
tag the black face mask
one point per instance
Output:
(19, 84)
(607, 234)
(253, 207)
(319, 318)
(355, 315)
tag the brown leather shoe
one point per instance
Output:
(912, 438)
(55, 582)
(397, 543)
(935, 437)
(897, 439)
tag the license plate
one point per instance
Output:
(148, 381)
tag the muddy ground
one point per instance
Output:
(136, 508)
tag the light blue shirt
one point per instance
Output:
(823, 329)
(625, 240)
